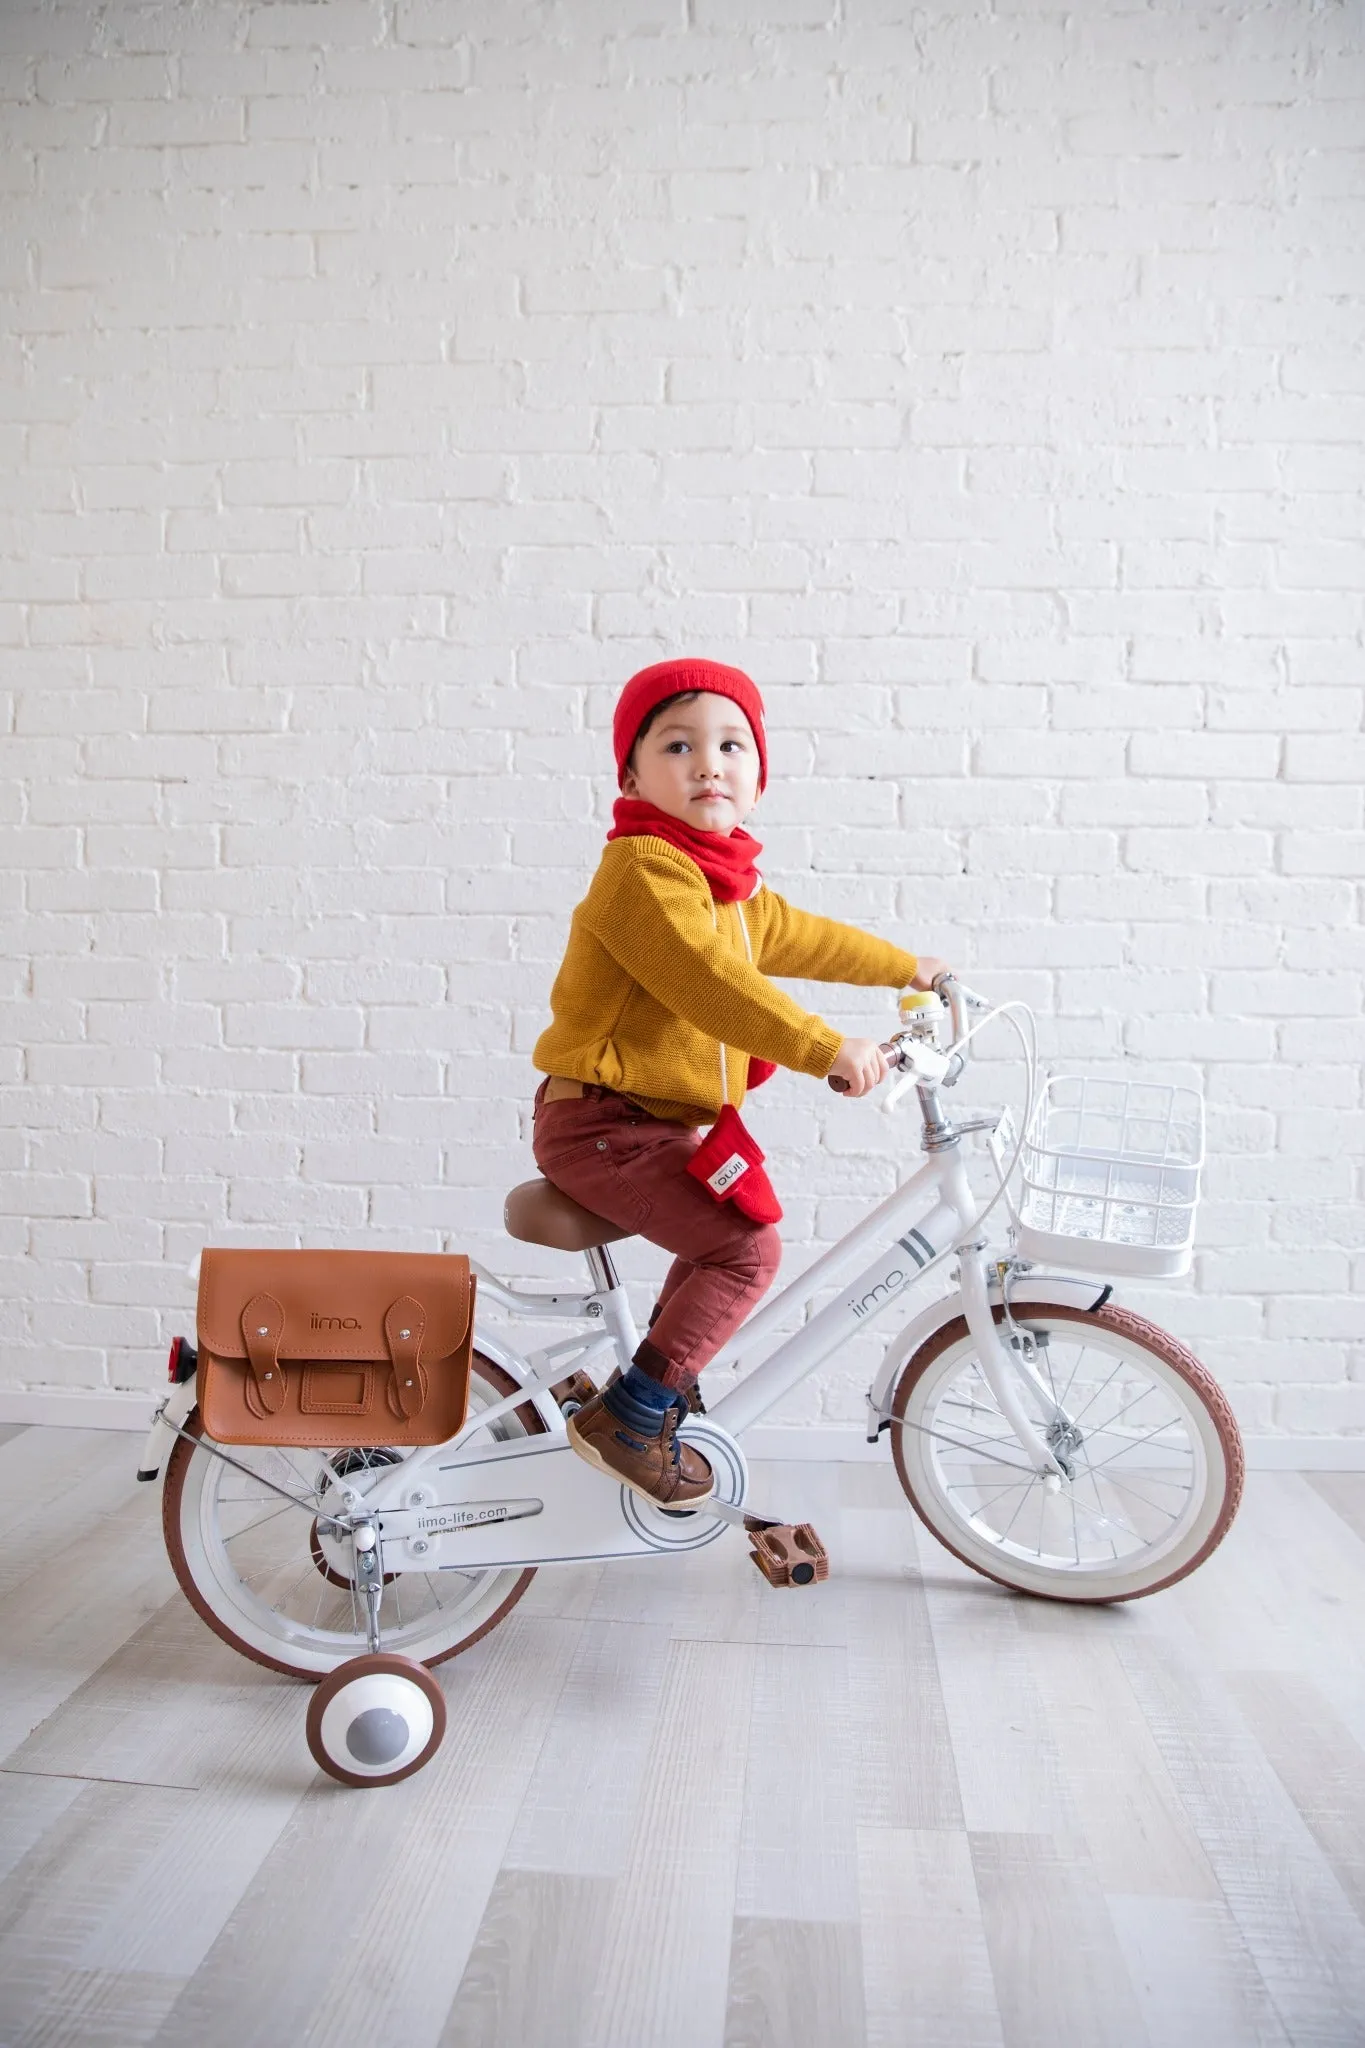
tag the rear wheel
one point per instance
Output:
(251, 1562)
(1153, 1457)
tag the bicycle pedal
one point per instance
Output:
(789, 1554)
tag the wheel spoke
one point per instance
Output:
(1066, 1390)
(1136, 1402)
(1121, 1512)
(1126, 1486)
(1074, 1419)
(973, 1450)
(961, 1486)
(1098, 1464)
(250, 1528)
(1098, 1514)
(293, 1587)
(1024, 1495)
(255, 1567)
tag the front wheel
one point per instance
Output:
(1152, 1454)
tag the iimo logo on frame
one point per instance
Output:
(920, 1250)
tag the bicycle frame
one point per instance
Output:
(909, 1238)
(976, 1367)
(929, 1216)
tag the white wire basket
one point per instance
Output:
(1111, 1176)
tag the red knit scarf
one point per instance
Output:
(725, 858)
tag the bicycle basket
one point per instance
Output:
(1111, 1176)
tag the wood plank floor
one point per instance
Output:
(677, 1809)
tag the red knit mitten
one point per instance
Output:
(729, 1163)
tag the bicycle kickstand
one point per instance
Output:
(369, 1571)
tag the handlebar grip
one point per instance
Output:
(893, 1059)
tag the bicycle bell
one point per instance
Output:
(921, 1012)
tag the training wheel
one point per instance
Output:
(375, 1720)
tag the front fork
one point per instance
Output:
(1004, 1368)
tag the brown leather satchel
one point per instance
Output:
(334, 1348)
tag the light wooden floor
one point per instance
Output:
(676, 1808)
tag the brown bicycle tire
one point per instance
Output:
(177, 1468)
(1120, 1322)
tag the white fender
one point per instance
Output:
(173, 1410)
(1059, 1289)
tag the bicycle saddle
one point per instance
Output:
(538, 1213)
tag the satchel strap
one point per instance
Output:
(404, 1328)
(262, 1329)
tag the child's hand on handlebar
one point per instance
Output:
(928, 970)
(860, 1064)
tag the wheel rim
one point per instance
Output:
(252, 1560)
(1139, 1448)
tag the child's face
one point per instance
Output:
(698, 762)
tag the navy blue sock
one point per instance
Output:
(639, 1401)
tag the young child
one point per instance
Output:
(663, 1014)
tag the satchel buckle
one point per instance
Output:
(262, 1329)
(404, 1328)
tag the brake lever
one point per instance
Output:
(950, 991)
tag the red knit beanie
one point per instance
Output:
(650, 686)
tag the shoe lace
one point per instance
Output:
(676, 1412)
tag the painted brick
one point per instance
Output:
(1288, 806)
(1321, 1411)
(387, 476)
(1205, 755)
(1322, 853)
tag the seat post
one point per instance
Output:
(602, 1267)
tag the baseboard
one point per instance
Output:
(1264, 1453)
(819, 1442)
(816, 1443)
(77, 1410)
(1305, 1453)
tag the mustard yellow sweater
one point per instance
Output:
(663, 993)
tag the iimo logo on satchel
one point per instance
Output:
(334, 1322)
(725, 1176)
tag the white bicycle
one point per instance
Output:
(1051, 1440)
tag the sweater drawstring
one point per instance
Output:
(749, 956)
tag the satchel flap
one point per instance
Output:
(334, 1302)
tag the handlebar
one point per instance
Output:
(890, 1051)
(958, 997)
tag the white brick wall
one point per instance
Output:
(381, 381)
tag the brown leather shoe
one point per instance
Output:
(660, 1468)
(692, 1393)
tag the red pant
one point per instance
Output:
(630, 1167)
